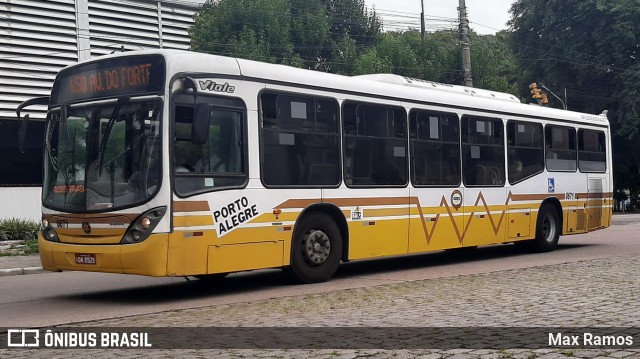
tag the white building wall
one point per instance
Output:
(40, 37)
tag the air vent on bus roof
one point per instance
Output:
(409, 81)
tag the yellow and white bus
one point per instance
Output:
(175, 163)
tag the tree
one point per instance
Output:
(255, 29)
(316, 34)
(589, 48)
(438, 58)
(495, 66)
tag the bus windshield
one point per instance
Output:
(102, 156)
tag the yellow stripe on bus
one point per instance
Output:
(189, 221)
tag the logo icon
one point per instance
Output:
(456, 199)
(23, 338)
(551, 185)
(86, 227)
(356, 214)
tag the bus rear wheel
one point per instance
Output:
(547, 229)
(316, 248)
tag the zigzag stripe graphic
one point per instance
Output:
(443, 202)
(496, 223)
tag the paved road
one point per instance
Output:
(591, 280)
(58, 298)
(599, 292)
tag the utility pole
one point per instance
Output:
(464, 42)
(422, 21)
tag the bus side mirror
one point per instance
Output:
(24, 122)
(200, 126)
(22, 132)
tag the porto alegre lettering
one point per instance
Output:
(234, 214)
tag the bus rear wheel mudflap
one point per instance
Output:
(548, 229)
(316, 248)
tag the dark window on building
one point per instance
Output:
(221, 161)
(21, 169)
(560, 148)
(592, 151)
(375, 148)
(482, 151)
(525, 150)
(435, 148)
(300, 141)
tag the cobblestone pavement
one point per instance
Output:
(593, 293)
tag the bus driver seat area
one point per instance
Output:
(186, 157)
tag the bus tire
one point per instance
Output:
(547, 229)
(316, 248)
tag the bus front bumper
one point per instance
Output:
(146, 258)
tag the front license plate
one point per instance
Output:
(85, 258)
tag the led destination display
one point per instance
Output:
(111, 78)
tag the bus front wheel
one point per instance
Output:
(316, 248)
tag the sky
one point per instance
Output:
(485, 16)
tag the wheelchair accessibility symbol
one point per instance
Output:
(551, 185)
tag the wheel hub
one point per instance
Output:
(316, 247)
(548, 228)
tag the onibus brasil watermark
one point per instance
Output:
(332, 337)
(35, 338)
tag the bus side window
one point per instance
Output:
(375, 150)
(525, 150)
(483, 151)
(299, 140)
(592, 152)
(560, 148)
(435, 148)
(216, 158)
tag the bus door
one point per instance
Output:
(209, 167)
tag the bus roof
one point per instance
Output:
(387, 86)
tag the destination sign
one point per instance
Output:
(110, 78)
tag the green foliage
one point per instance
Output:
(258, 29)
(341, 36)
(441, 56)
(371, 62)
(20, 248)
(304, 33)
(16, 229)
(589, 48)
(438, 58)
(345, 55)
(494, 65)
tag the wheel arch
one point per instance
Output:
(555, 202)
(336, 214)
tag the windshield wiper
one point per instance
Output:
(112, 120)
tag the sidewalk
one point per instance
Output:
(17, 265)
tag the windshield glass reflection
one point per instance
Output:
(102, 156)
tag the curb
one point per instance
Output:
(20, 271)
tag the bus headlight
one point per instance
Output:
(145, 223)
(48, 233)
(142, 227)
